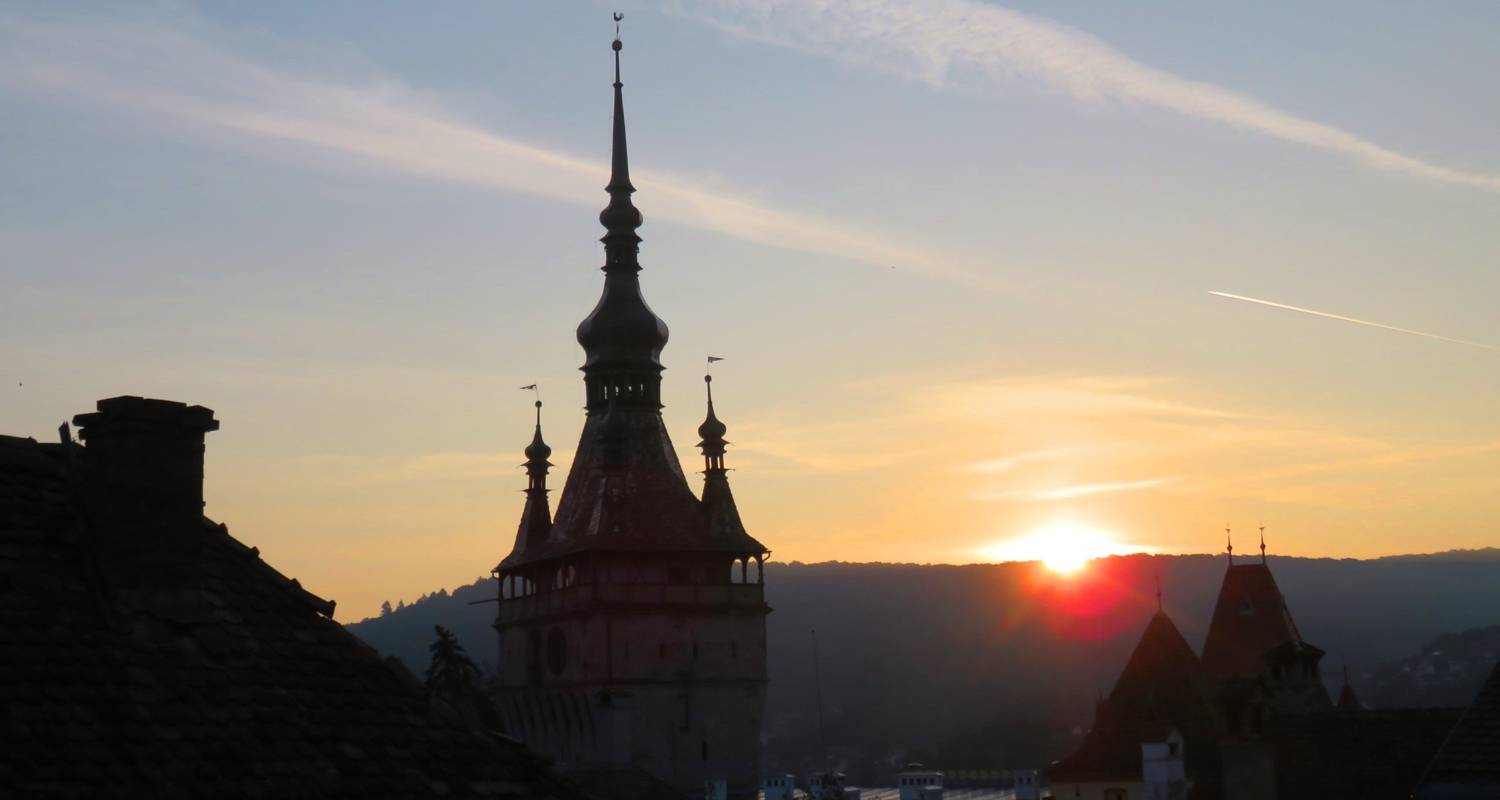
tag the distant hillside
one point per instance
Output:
(1445, 673)
(988, 665)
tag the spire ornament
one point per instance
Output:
(1229, 544)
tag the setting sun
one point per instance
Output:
(1062, 547)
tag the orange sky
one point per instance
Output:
(961, 266)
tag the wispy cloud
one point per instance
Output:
(1070, 491)
(186, 83)
(1356, 321)
(946, 41)
(1085, 489)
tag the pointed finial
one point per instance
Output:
(1263, 543)
(617, 45)
(1229, 544)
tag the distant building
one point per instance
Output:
(1027, 784)
(916, 782)
(1163, 767)
(1162, 698)
(632, 625)
(1253, 642)
(145, 652)
(1251, 721)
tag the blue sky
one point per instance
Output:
(957, 259)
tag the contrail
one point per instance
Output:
(1366, 322)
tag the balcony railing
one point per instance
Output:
(583, 596)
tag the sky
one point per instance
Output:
(982, 274)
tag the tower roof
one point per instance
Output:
(1162, 686)
(1250, 620)
(625, 490)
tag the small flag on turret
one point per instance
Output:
(530, 388)
(712, 359)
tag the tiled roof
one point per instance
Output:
(1468, 763)
(204, 674)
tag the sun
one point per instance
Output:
(1063, 548)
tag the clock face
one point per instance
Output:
(557, 651)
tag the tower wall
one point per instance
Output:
(667, 678)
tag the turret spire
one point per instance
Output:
(537, 454)
(536, 517)
(712, 433)
(1263, 543)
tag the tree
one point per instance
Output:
(385, 609)
(452, 675)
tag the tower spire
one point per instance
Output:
(620, 218)
(622, 337)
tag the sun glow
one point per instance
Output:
(1062, 547)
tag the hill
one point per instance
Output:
(996, 664)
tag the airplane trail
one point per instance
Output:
(1365, 322)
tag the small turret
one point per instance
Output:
(711, 434)
(536, 517)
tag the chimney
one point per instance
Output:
(142, 468)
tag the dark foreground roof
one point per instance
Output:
(1355, 755)
(202, 672)
(1468, 763)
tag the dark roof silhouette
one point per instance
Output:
(1354, 755)
(1163, 686)
(1468, 763)
(1348, 700)
(150, 653)
(1250, 620)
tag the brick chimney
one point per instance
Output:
(142, 468)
